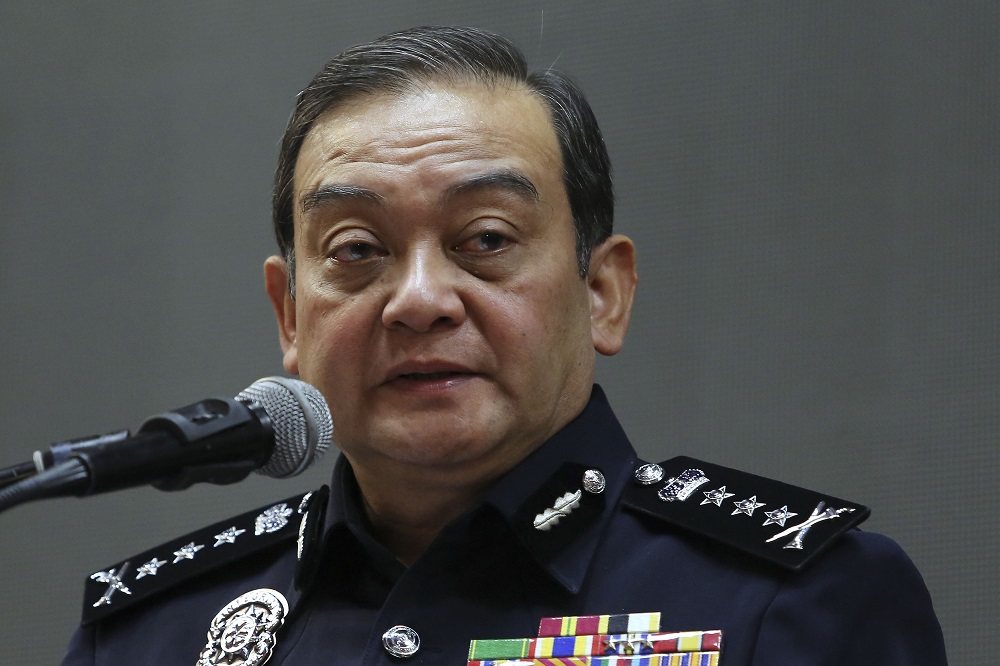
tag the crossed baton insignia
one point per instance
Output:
(114, 581)
(818, 515)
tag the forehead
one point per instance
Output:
(439, 128)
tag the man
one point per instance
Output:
(448, 271)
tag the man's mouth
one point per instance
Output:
(430, 376)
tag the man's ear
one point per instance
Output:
(276, 284)
(612, 280)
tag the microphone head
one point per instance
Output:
(301, 420)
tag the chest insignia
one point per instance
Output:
(243, 632)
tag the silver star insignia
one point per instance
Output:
(272, 519)
(227, 536)
(747, 506)
(778, 516)
(186, 553)
(149, 568)
(716, 496)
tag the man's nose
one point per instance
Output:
(424, 293)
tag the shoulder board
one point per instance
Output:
(127, 583)
(775, 521)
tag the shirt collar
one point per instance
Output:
(594, 440)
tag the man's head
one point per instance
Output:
(440, 302)
(401, 60)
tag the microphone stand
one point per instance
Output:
(69, 477)
(11, 475)
(57, 453)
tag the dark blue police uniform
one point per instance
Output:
(781, 571)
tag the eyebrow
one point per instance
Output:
(504, 179)
(332, 194)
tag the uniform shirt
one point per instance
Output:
(491, 574)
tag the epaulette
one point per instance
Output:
(132, 581)
(774, 521)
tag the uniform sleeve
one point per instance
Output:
(81, 648)
(864, 602)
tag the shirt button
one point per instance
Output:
(401, 641)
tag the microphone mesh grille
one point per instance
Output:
(301, 420)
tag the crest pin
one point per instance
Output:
(272, 519)
(682, 486)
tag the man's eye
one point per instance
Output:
(489, 241)
(356, 252)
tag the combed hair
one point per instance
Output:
(399, 61)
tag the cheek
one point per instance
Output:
(541, 325)
(333, 335)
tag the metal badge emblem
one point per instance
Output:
(818, 515)
(561, 508)
(747, 506)
(593, 482)
(715, 496)
(683, 485)
(401, 641)
(272, 520)
(114, 581)
(778, 516)
(149, 568)
(243, 633)
(186, 552)
(227, 536)
(648, 474)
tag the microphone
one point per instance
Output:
(276, 426)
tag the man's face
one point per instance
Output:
(438, 304)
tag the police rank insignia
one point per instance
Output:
(243, 632)
(632, 639)
(123, 585)
(730, 510)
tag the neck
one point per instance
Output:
(408, 510)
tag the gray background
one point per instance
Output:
(814, 189)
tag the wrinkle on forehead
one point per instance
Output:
(442, 127)
(412, 123)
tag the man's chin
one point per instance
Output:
(436, 441)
